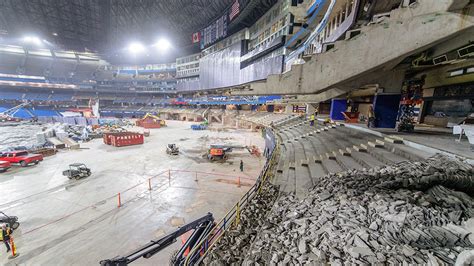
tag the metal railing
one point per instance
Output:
(232, 218)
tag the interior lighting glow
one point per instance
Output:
(136, 48)
(32, 40)
(163, 45)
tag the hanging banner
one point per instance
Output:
(196, 37)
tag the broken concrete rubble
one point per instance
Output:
(408, 213)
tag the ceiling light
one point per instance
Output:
(136, 48)
(55, 34)
(32, 40)
(163, 45)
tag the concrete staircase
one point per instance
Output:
(310, 152)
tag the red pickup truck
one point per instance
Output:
(4, 165)
(21, 157)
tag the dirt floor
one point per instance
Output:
(66, 222)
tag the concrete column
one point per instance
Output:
(386, 110)
(309, 109)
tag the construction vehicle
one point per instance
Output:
(218, 152)
(12, 221)
(172, 149)
(7, 115)
(77, 171)
(201, 227)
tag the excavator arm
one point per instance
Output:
(201, 227)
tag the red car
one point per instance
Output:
(21, 157)
(4, 165)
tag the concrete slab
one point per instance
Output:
(66, 222)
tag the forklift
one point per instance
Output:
(201, 227)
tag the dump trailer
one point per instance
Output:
(201, 227)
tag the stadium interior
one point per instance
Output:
(237, 132)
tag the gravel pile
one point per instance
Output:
(412, 212)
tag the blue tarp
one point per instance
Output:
(337, 107)
(386, 110)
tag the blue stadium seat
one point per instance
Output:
(7, 95)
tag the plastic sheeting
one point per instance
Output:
(263, 67)
(222, 69)
(188, 85)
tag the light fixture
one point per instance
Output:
(54, 34)
(32, 40)
(163, 45)
(136, 47)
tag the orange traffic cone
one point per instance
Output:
(13, 248)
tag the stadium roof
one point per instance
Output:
(107, 25)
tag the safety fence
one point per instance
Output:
(232, 218)
(159, 181)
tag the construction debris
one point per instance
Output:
(408, 213)
(236, 242)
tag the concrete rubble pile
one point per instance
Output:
(235, 244)
(412, 212)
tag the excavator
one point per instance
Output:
(202, 227)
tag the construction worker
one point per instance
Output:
(6, 232)
(311, 120)
(371, 117)
(241, 166)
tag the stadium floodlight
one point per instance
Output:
(163, 44)
(32, 40)
(136, 48)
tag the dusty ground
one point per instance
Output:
(78, 222)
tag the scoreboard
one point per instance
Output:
(214, 32)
